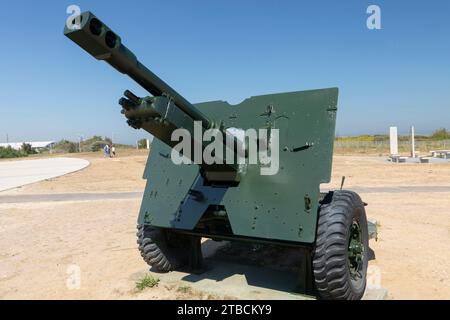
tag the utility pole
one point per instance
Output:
(413, 143)
(80, 137)
(7, 138)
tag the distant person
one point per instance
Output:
(113, 151)
(106, 150)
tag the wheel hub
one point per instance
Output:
(355, 251)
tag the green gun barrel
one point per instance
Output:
(102, 43)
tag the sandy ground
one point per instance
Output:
(43, 243)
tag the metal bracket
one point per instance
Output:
(196, 195)
(305, 147)
(269, 111)
(169, 102)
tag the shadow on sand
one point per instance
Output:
(262, 266)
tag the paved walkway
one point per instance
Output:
(18, 173)
(399, 189)
(70, 197)
(138, 195)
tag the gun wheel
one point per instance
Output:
(162, 249)
(340, 257)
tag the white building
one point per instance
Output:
(37, 145)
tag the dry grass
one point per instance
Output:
(381, 148)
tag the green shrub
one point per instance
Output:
(9, 152)
(65, 146)
(97, 145)
(27, 149)
(146, 281)
(440, 134)
(142, 144)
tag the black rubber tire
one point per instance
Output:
(162, 249)
(330, 256)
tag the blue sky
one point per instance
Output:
(227, 50)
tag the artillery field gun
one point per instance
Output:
(273, 200)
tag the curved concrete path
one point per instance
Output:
(18, 173)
